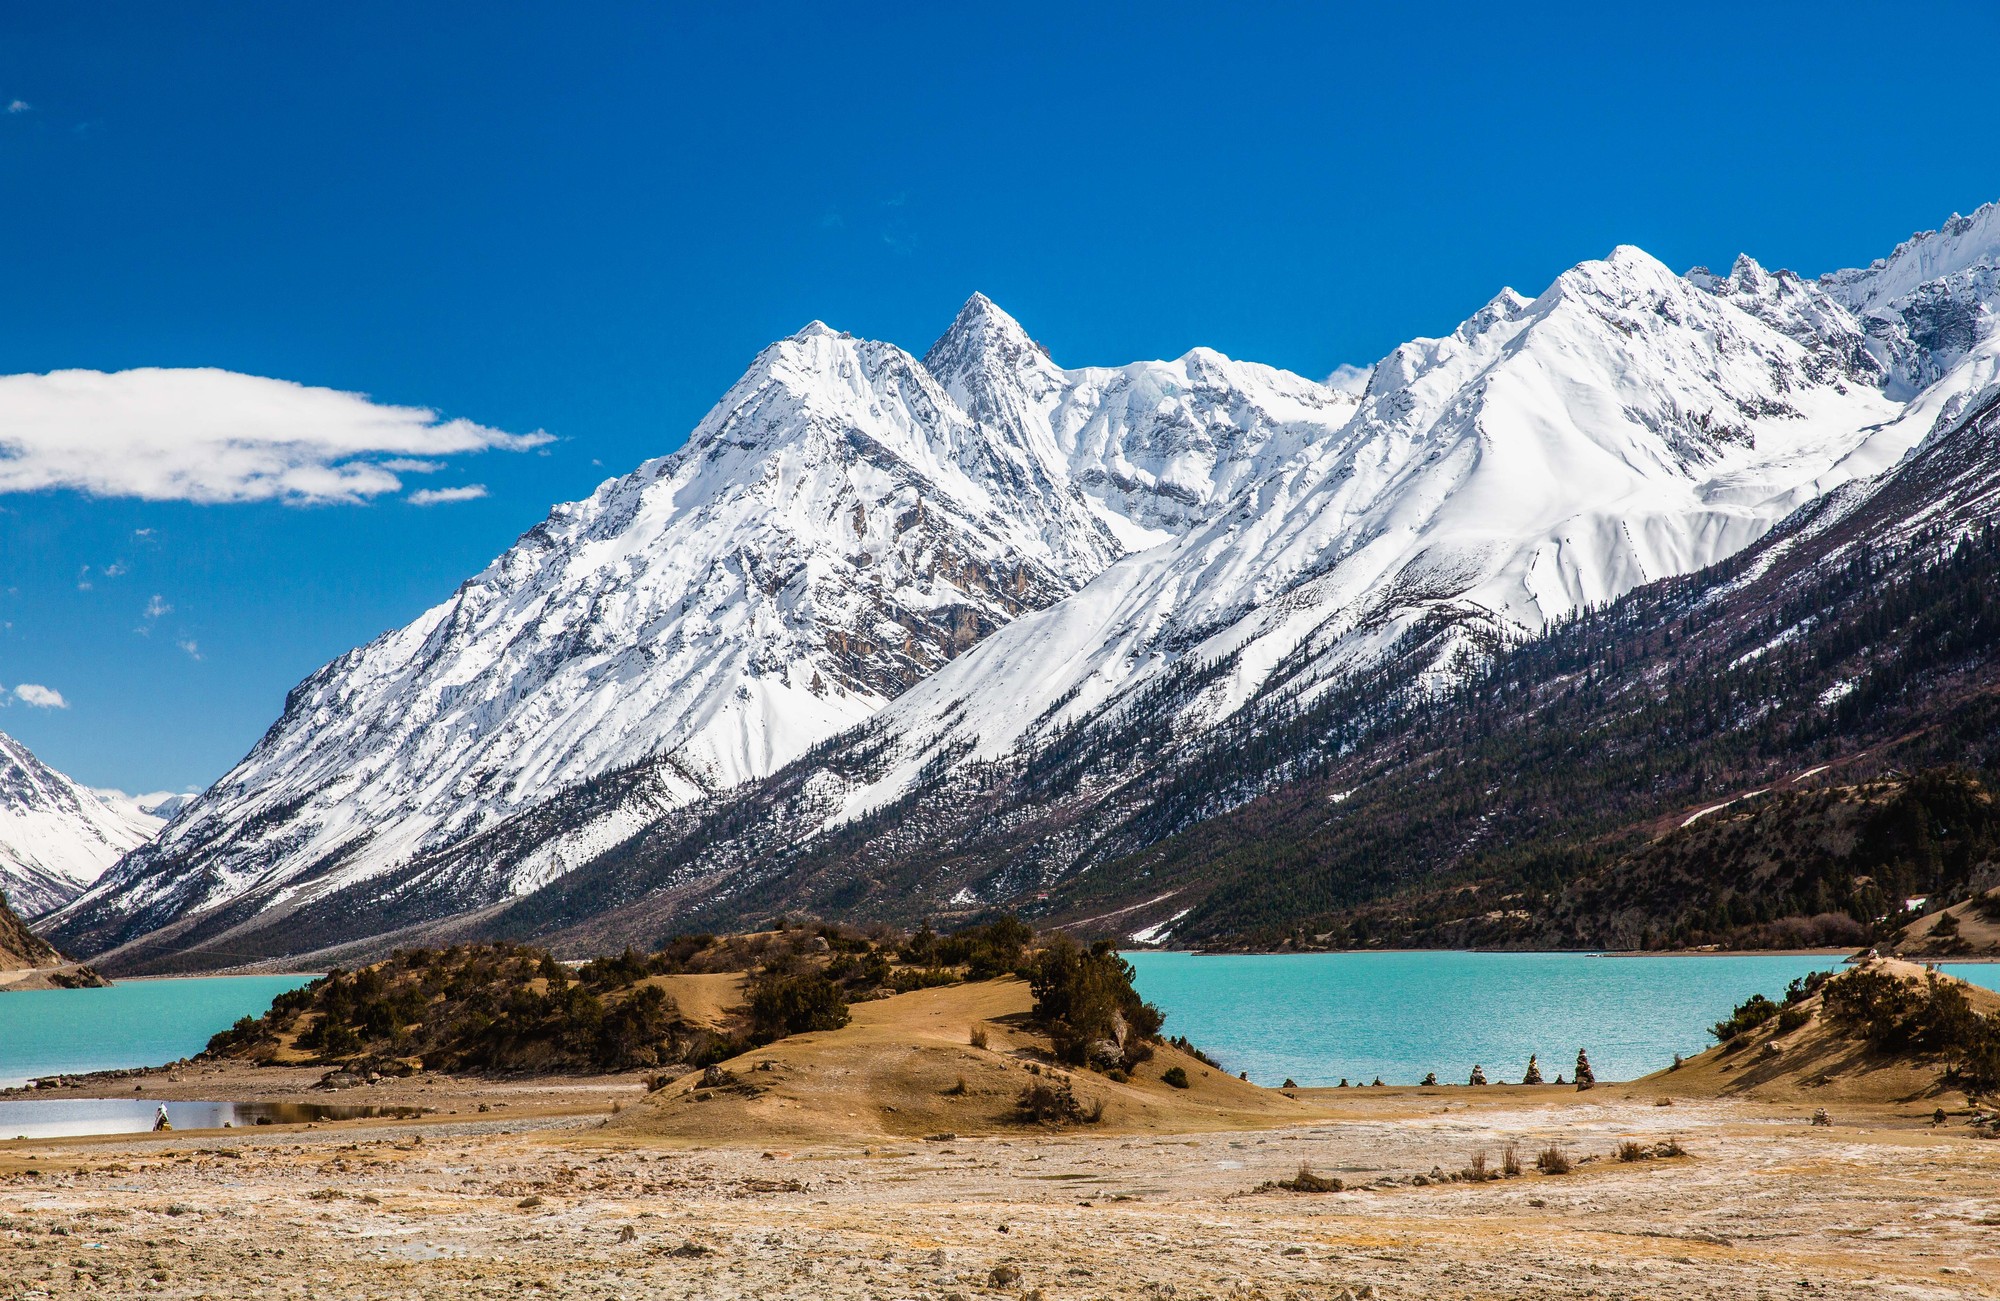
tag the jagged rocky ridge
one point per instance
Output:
(1549, 455)
(836, 528)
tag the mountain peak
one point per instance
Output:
(1960, 244)
(981, 330)
(992, 369)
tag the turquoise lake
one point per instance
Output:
(1312, 1017)
(1318, 1017)
(133, 1023)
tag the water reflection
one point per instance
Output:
(64, 1117)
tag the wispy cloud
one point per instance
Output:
(217, 436)
(439, 496)
(192, 647)
(116, 569)
(19, 106)
(39, 696)
(1347, 378)
(157, 607)
(410, 465)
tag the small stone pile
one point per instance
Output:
(1585, 1077)
(1478, 1076)
(1534, 1075)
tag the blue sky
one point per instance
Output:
(585, 219)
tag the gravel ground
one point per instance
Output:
(558, 1206)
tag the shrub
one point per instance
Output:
(912, 978)
(1052, 1101)
(783, 1005)
(1749, 1014)
(1175, 1077)
(1510, 1160)
(992, 949)
(1181, 1042)
(1553, 1160)
(1629, 1151)
(1792, 1018)
(978, 1036)
(1891, 1015)
(1084, 996)
(1475, 1169)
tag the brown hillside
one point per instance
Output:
(27, 961)
(896, 1070)
(1821, 1063)
(1965, 930)
(21, 948)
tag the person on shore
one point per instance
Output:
(160, 1122)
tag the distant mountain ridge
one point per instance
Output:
(56, 837)
(961, 617)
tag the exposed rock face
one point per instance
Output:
(21, 948)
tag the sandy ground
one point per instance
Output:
(534, 1203)
(886, 1162)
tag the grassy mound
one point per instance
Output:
(699, 1000)
(1884, 1032)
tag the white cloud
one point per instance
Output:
(217, 436)
(410, 465)
(18, 106)
(437, 496)
(157, 607)
(191, 646)
(41, 697)
(116, 569)
(1349, 379)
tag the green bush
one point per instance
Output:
(1086, 995)
(992, 949)
(1175, 1076)
(1891, 1015)
(1749, 1014)
(783, 1005)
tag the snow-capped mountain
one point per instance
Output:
(1020, 556)
(843, 522)
(56, 837)
(1549, 455)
